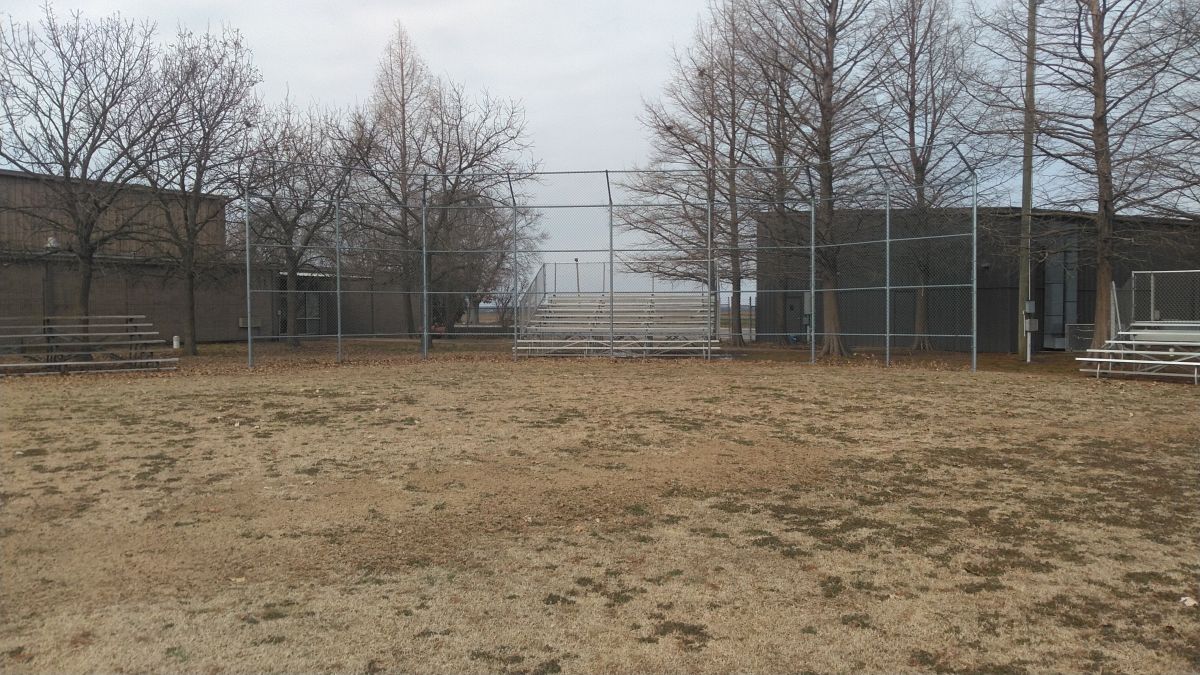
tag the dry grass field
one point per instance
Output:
(542, 517)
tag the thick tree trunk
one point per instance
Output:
(832, 343)
(735, 311)
(921, 340)
(293, 307)
(189, 327)
(1105, 202)
(83, 299)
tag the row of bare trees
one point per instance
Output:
(141, 148)
(120, 132)
(783, 101)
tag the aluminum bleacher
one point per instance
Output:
(1167, 349)
(78, 344)
(634, 324)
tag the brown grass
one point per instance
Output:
(567, 516)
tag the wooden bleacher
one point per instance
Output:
(79, 344)
(1169, 349)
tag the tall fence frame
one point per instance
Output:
(705, 258)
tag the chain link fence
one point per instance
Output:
(730, 260)
(1172, 295)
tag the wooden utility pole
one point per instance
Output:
(1024, 291)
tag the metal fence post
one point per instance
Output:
(249, 300)
(337, 263)
(1152, 299)
(974, 271)
(425, 270)
(812, 279)
(516, 274)
(1132, 298)
(887, 278)
(612, 294)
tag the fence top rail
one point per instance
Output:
(1166, 272)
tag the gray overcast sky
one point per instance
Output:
(580, 67)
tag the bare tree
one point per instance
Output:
(423, 148)
(81, 106)
(828, 50)
(924, 116)
(1119, 61)
(390, 137)
(702, 133)
(1175, 168)
(1107, 71)
(299, 176)
(212, 79)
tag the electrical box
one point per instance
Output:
(1030, 307)
(1031, 325)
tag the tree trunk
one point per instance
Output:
(831, 343)
(84, 298)
(921, 340)
(735, 308)
(293, 307)
(189, 327)
(1105, 205)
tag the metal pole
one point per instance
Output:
(1152, 317)
(1132, 298)
(249, 302)
(612, 294)
(516, 277)
(887, 278)
(812, 279)
(337, 262)
(974, 271)
(425, 270)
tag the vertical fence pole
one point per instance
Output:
(249, 300)
(1132, 298)
(974, 271)
(513, 303)
(612, 295)
(1152, 303)
(812, 279)
(425, 270)
(337, 263)
(887, 278)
